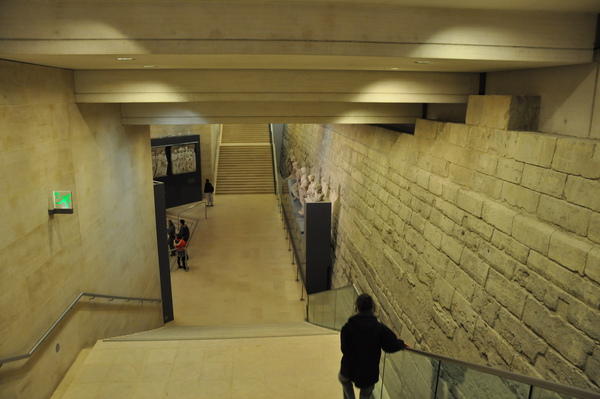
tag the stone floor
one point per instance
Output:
(240, 266)
(240, 274)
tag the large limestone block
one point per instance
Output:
(532, 233)
(569, 251)
(426, 129)
(584, 192)
(594, 229)
(571, 217)
(504, 112)
(521, 197)
(543, 180)
(474, 267)
(499, 216)
(535, 148)
(510, 170)
(577, 157)
(563, 279)
(511, 246)
(454, 133)
(519, 336)
(509, 294)
(592, 268)
(463, 313)
(470, 202)
(554, 329)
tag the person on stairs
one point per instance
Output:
(362, 339)
(180, 244)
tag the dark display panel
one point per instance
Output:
(176, 163)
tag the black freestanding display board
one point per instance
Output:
(176, 163)
(311, 238)
(317, 235)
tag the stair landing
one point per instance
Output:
(283, 367)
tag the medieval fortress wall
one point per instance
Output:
(481, 240)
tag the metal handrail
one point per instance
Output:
(532, 381)
(274, 160)
(62, 316)
(193, 206)
(544, 384)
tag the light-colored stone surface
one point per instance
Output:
(210, 368)
(567, 95)
(519, 256)
(107, 246)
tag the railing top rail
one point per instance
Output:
(62, 316)
(337, 289)
(191, 207)
(544, 384)
(537, 382)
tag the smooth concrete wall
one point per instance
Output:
(570, 96)
(107, 246)
(479, 242)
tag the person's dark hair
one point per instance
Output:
(179, 236)
(182, 221)
(364, 303)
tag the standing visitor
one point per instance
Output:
(180, 246)
(362, 338)
(184, 230)
(208, 191)
(171, 237)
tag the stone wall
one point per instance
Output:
(479, 242)
(107, 246)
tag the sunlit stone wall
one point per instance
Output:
(481, 241)
(107, 246)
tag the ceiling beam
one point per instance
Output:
(66, 33)
(268, 112)
(124, 86)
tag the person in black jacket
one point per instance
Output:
(171, 236)
(209, 190)
(362, 338)
(184, 230)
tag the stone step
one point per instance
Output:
(180, 333)
(245, 160)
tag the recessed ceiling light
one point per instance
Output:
(149, 66)
(422, 62)
(125, 59)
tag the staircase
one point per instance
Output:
(290, 360)
(245, 160)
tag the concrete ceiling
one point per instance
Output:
(321, 61)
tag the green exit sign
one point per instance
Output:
(62, 202)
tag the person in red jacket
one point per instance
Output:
(180, 244)
(362, 338)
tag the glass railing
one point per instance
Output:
(332, 308)
(413, 373)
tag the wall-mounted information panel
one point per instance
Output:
(176, 163)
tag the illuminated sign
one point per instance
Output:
(62, 202)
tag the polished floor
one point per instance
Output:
(240, 266)
(241, 279)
